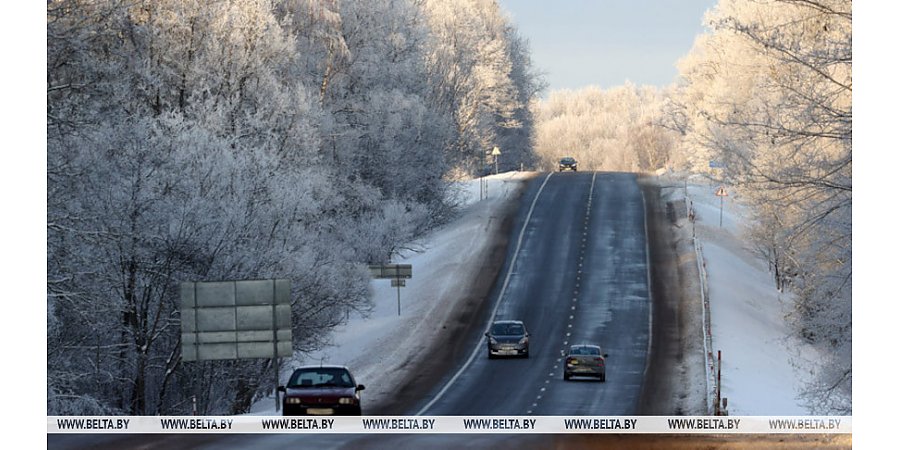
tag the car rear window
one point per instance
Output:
(585, 351)
(507, 329)
(321, 377)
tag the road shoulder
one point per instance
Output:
(675, 380)
(422, 371)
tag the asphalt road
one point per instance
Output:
(578, 274)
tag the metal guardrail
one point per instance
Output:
(712, 387)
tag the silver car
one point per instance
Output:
(507, 338)
(585, 360)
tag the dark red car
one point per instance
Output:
(321, 390)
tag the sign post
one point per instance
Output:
(397, 273)
(496, 154)
(482, 183)
(720, 192)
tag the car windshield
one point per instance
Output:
(585, 351)
(567, 160)
(507, 329)
(321, 377)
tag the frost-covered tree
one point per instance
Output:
(517, 142)
(768, 92)
(180, 164)
(481, 77)
(192, 141)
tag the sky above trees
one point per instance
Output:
(578, 43)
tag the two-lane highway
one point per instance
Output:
(576, 272)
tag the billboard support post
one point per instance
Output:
(230, 320)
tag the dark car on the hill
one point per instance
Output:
(568, 163)
(321, 390)
(507, 338)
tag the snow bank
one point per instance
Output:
(763, 366)
(376, 348)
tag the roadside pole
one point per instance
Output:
(721, 193)
(719, 384)
(482, 183)
(496, 154)
(275, 361)
(397, 273)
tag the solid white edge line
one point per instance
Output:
(512, 265)
(649, 288)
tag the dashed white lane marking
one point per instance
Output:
(587, 218)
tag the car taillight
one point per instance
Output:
(599, 361)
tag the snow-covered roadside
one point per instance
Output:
(764, 367)
(376, 348)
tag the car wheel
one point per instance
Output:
(490, 355)
(603, 378)
(566, 376)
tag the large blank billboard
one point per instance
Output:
(235, 319)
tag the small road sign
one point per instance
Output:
(391, 270)
(397, 273)
(720, 192)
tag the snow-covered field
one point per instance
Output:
(763, 368)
